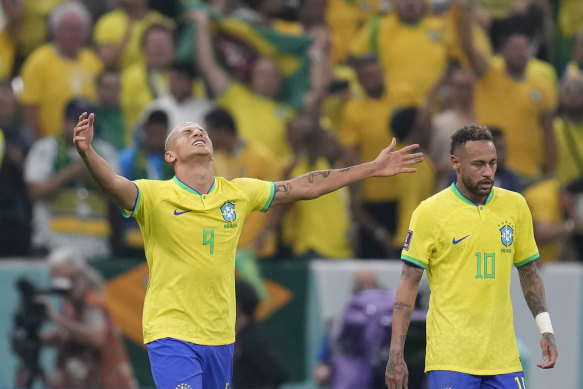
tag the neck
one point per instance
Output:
(515, 73)
(198, 175)
(464, 108)
(136, 12)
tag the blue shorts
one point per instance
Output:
(177, 364)
(445, 379)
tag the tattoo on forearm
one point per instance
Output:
(396, 365)
(532, 288)
(312, 175)
(344, 169)
(400, 306)
(285, 188)
(409, 272)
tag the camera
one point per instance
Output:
(25, 338)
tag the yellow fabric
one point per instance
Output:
(345, 18)
(568, 136)
(111, 28)
(451, 37)
(412, 56)
(50, 81)
(287, 27)
(365, 125)
(516, 108)
(136, 94)
(190, 246)
(335, 104)
(543, 199)
(258, 119)
(253, 161)
(570, 17)
(498, 8)
(470, 320)
(321, 225)
(7, 53)
(35, 23)
(412, 191)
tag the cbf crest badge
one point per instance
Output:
(507, 235)
(228, 211)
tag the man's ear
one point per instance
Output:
(169, 157)
(455, 162)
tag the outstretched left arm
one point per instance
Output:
(315, 184)
(534, 294)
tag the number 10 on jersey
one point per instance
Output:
(486, 265)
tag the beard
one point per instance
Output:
(474, 188)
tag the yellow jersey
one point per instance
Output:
(50, 81)
(7, 54)
(412, 56)
(258, 118)
(321, 225)
(253, 160)
(468, 251)
(543, 199)
(516, 106)
(190, 239)
(365, 125)
(569, 138)
(112, 27)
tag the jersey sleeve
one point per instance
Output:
(419, 244)
(142, 200)
(524, 245)
(259, 193)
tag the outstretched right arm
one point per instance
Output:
(397, 374)
(120, 188)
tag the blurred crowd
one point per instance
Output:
(285, 87)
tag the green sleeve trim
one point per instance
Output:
(127, 213)
(413, 261)
(271, 196)
(527, 260)
(375, 26)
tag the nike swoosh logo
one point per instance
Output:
(459, 240)
(176, 212)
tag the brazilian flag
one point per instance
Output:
(239, 43)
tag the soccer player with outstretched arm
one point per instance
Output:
(191, 225)
(468, 237)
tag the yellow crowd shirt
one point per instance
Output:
(365, 125)
(569, 138)
(345, 18)
(412, 56)
(50, 81)
(468, 251)
(190, 243)
(321, 225)
(545, 204)
(111, 29)
(136, 93)
(35, 23)
(253, 160)
(258, 118)
(515, 106)
(7, 53)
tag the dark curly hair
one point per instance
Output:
(469, 133)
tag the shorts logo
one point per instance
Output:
(228, 211)
(408, 240)
(507, 235)
(183, 386)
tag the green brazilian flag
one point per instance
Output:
(240, 43)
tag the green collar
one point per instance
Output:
(192, 190)
(463, 198)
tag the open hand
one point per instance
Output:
(83, 133)
(389, 162)
(396, 374)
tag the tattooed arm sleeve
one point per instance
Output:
(532, 288)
